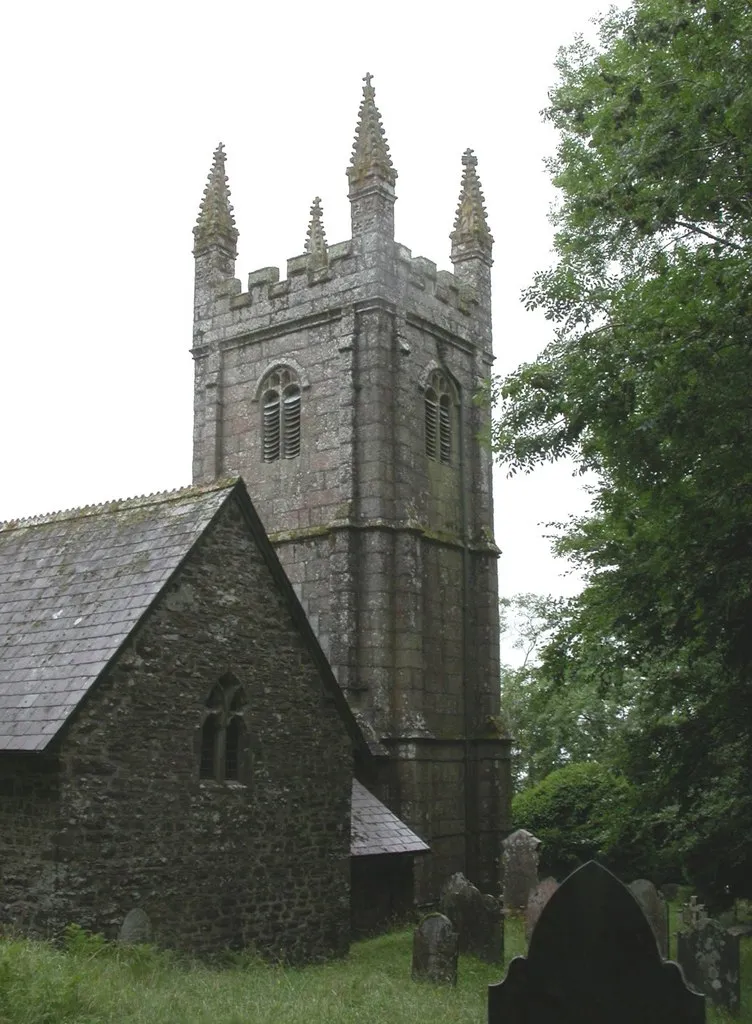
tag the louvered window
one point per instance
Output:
(445, 430)
(291, 422)
(439, 415)
(271, 426)
(224, 754)
(281, 417)
(432, 415)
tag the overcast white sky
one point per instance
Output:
(111, 116)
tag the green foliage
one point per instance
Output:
(43, 985)
(582, 812)
(575, 715)
(646, 385)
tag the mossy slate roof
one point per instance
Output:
(72, 587)
(375, 830)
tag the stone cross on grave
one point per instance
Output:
(693, 914)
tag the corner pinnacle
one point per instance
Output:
(315, 246)
(471, 235)
(216, 222)
(370, 156)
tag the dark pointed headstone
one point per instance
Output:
(476, 917)
(593, 959)
(654, 908)
(708, 954)
(435, 950)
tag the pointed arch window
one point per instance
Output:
(439, 419)
(224, 753)
(280, 425)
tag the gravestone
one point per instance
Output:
(520, 863)
(654, 909)
(593, 960)
(135, 928)
(435, 950)
(537, 900)
(709, 956)
(476, 917)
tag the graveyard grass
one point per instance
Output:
(93, 982)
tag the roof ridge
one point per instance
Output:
(119, 504)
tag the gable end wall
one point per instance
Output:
(212, 864)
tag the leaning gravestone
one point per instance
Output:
(537, 900)
(435, 950)
(709, 956)
(593, 960)
(654, 909)
(476, 917)
(135, 928)
(520, 862)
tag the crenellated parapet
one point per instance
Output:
(370, 263)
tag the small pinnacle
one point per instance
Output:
(315, 246)
(370, 155)
(216, 222)
(471, 222)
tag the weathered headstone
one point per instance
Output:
(537, 900)
(593, 959)
(709, 956)
(654, 908)
(520, 864)
(693, 913)
(435, 950)
(135, 928)
(476, 917)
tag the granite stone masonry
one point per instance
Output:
(435, 951)
(343, 394)
(708, 954)
(520, 866)
(171, 736)
(476, 917)
(654, 908)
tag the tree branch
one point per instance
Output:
(708, 234)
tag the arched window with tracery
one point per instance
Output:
(224, 754)
(280, 424)
(439, 401)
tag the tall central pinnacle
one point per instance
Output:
(471, 236)
(216, 222)
(370, 159)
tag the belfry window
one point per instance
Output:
(280, 426)
(224, 754)
(438, 419)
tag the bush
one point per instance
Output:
(583, 811)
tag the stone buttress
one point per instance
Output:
(343, 395)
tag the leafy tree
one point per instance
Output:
(647, 384)
(582, 812)
(554, 723)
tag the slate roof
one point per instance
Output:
(72, 587)
(375, 830)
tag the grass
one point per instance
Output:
(94, 982)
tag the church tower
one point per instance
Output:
(343, 395)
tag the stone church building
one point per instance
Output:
(343, 395)
(244, 715)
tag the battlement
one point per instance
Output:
(344, 279)
(369, 266)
